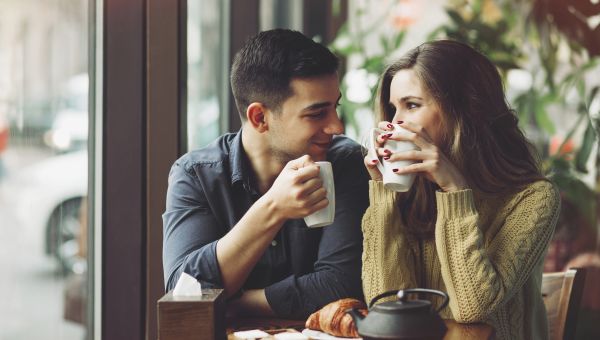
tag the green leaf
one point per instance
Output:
(384, 43)
(455, 17)
(541, 115)
(399, 38)
(593, 94)
(589, 139)
(375, 64)
(433, 35)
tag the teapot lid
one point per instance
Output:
(403, 306)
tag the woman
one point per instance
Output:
(477, 221)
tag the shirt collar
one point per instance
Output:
(240, 165)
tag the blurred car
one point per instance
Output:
(45, 198)
(69, 129)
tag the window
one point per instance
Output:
(44, 168)
(207, 71)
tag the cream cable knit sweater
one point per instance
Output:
(487, 254)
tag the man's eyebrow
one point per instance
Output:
(320, 105)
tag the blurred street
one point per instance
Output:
(32, 306)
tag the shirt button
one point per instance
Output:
(273, 243)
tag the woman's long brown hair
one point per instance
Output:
(482, 138)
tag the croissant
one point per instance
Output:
(333, 319)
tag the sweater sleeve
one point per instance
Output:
(388, 262)
(481, 277)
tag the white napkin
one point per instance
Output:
(291, 336)
(252, 334)
(317, 335)
(187, 285)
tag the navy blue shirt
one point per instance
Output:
(304, 268)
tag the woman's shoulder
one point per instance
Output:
(542, 186)
(542, 191)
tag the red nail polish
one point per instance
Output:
(374, 161)
(400, 121)
(386, 157)
(388, 135)
(387, 151)
(395, 170)
(390, 126)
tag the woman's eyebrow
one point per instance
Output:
(406, 98)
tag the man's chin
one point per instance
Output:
(318, 156)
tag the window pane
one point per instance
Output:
(43, 168)
(204, 67)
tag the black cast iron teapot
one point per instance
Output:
(402, 318)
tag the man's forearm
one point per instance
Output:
(251, 303)
(241, 248)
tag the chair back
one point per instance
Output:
(562, 293)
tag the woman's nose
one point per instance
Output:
(397, 117)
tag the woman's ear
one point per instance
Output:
(256, 113)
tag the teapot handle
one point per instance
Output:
(402, 295)
(382, 295)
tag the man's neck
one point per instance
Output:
(266, 167)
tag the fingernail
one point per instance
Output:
(374, 161)
(387, 151)
(395, 170)
(386, 157)
(400, 121)
(390, 126)
(388, 135)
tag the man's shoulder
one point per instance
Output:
(343, 148)
(213, 155)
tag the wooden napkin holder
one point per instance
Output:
(192, 317)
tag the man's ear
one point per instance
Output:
(256, 113)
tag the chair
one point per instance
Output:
(562, 293)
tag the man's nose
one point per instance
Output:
(334, 125)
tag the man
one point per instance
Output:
(234, 208)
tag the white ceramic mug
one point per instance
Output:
(326, 215)
(391, 180)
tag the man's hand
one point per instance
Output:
(298, 190)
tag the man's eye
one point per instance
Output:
(316, 115)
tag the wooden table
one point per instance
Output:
(456, 331)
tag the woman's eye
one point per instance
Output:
(411, 106)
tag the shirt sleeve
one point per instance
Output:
(481, 276)
(190, 232)
(337, 270)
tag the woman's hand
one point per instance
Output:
(371, 159)
(430, 160)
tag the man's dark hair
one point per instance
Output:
(263, 69)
